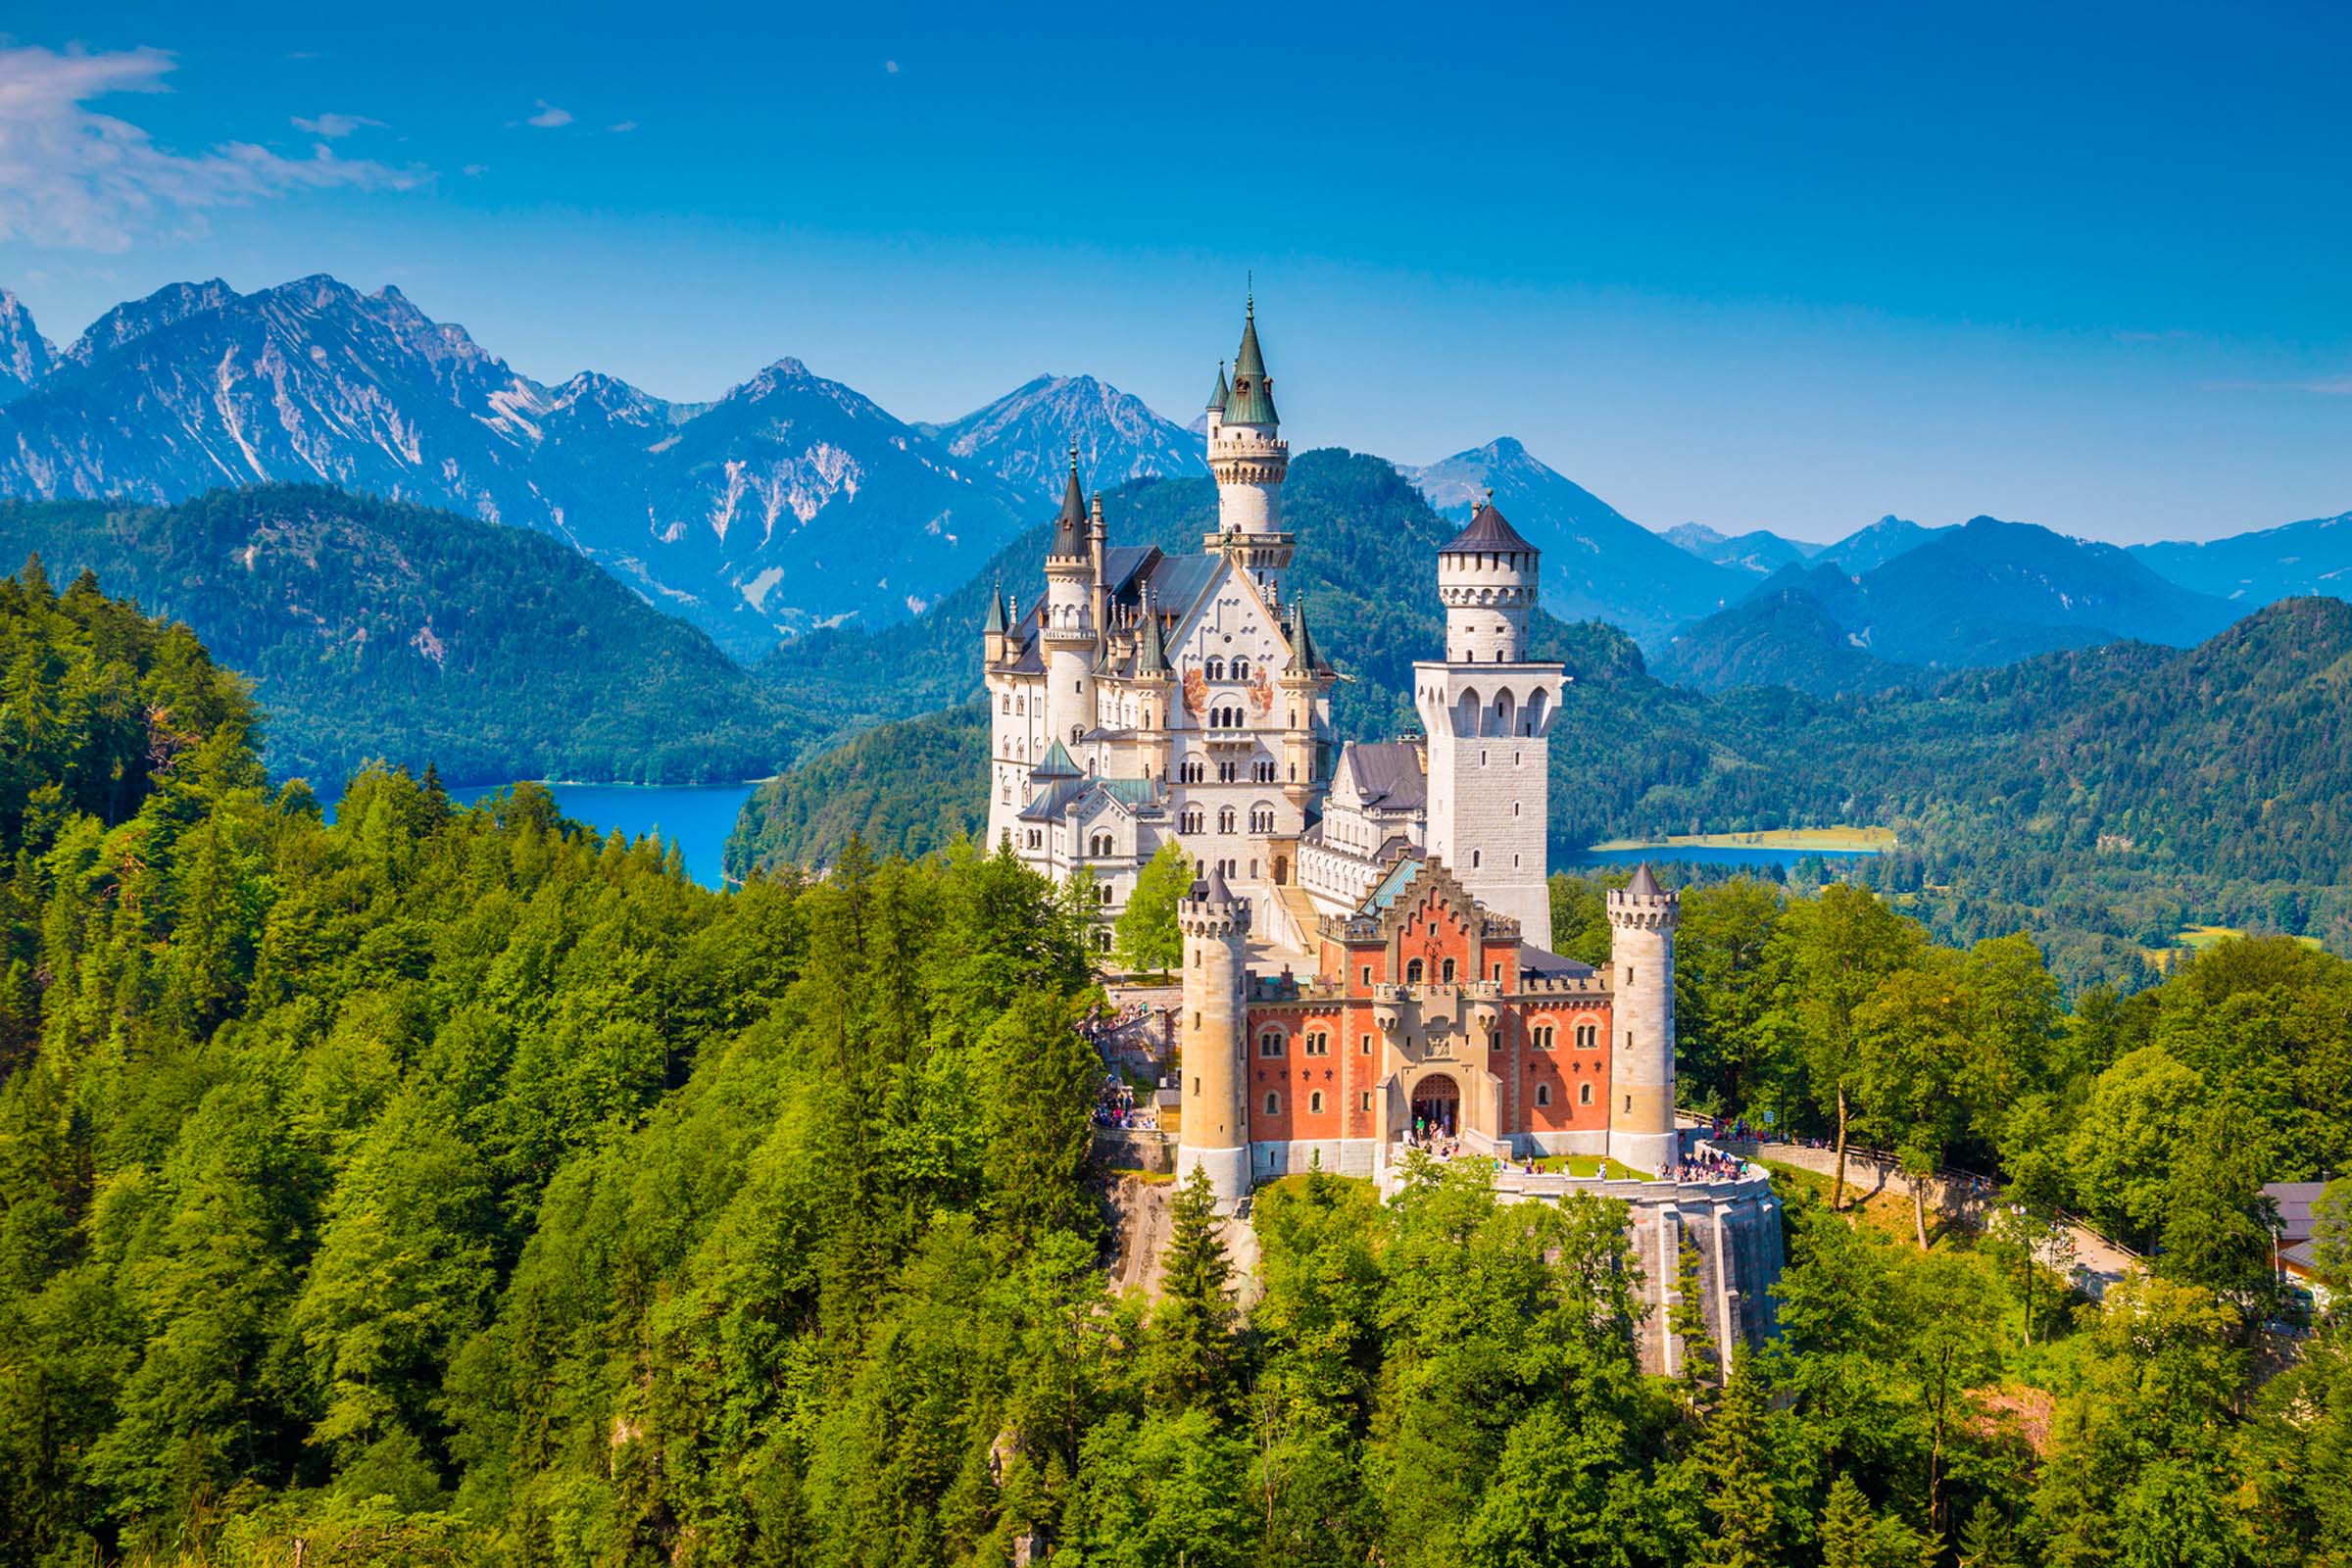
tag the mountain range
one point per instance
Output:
(790, 503)
(1761, 552)
(1986, 593)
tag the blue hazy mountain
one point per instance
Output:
(26, 357)
(1024, 437)
(1759, 550)
(2312, 557)
(1868, 549)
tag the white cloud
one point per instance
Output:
(890, 65)
(2334, 386)
(73, 177)
(624, 126)
(549, 117)
(334, 127)
(474, 170)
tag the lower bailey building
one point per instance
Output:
(1430, 1021)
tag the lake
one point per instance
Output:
(700, 816)
(1708, 855)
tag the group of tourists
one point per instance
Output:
(1708, 1166)
(1115, 1106)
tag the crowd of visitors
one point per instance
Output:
(1115, 1106)
(1708, 1166)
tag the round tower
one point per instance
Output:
(1642, 1128)
(1487, 580)
(1214, 1134)
(1067, 628)
(1249, 458)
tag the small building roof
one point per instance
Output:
(1387, 773)
(1055, 763)
(2294, 1200)
(1536, 963)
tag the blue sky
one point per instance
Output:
(1789, 266)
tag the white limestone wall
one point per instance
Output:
(1487, 597)
(1213, 1124)
(1642, 1124)
(1489, 785)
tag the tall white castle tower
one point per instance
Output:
(1216, 1130)
(1069, 624)
(1250, 458)
(1488, 712)
(1641, 919)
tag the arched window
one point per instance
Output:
(1241, 670)
(1269, 1044)
(1465, 714)
(1225, 819)
(1506, 712)
(1412, 972)
(1474, 853)
(1315, 1103)
(1215, 670)
(1542, 1094)
(1273, 1103)
(1103, 941)
(1446, 971)
(1584, 1094)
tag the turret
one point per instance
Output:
(995, 630)
(1641, 919)
(1304, 679)
(1155, 681)
(1214, 415)
(1487, 579)
(1214, 1130)
(1069, 628)
(1250, 458)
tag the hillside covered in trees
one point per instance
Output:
(452, 1186)
(373, 629)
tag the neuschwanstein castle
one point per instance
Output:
(1367, 963)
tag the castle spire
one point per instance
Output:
(1216, 399)
(1252, 399)
(1070, 528)
(996, 626)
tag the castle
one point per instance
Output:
(1366, 957)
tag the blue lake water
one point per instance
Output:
(1696, 854)
(700, 816)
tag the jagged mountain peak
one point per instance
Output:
(24, 354)
(1022, 436)
(134, 319)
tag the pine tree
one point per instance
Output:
(1193, 1325)
(1686, 1319)
(1736, 1458)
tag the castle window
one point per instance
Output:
(1215, 670)
(1273, 1103)
(1103, 938)
(1365, 1103)
(1318, 1043)
(1629, 1105)
(1034, 838)
(1103, 894)
(1584, 1094)
(1241, 670)
(1542, 1094)
(1315, 1103)
(1474, 859)
(1514, 808)
(1412, 972)
(1446, 972)
(1540, 1037)
(1225, 819)
(1261, 819)
(1269, 1044)
(1367, 980)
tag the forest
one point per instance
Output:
(440, 1186)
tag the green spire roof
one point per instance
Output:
(1251, 401)
(1216, 399)
(1056, 764)
(1304, 658)
(995, 612)
(1152, 654)
(1069, 529)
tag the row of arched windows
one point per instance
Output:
(1216, 669)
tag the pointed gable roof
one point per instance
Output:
(1489, 530)
(996, 625)
(1305, 658)
(1151, 650)
(1216, 399)
(1055, 763)
(1644, 885)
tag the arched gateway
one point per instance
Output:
(1436, 1107)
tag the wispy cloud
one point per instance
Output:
(332, 127)
(623, 125)
(474, 170)
(549, 117)
(71, 177)
(2334, 386)
(891, 66)
(2328, 386)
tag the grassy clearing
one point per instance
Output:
(1825, 840)
(1585, 1167)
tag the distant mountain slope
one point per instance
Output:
(24, 354)
(1989, 592)
(1783, 636)
(790, 503)
(1597, 563)
(908, 788)
(372, 628)
(2312, 557)
(1022, 436)
(1868, 549)
(1761, 552)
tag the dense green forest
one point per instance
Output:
(449, 1186)
(372, 629)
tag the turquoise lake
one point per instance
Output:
(698, 816)
(1693, 855)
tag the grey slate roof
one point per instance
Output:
(2294, 1200)
(1489, 530)
(1387, 774)
(1069, 528)
(1644, 885)
(1534, 960)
